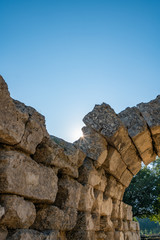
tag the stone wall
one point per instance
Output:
(54, 190)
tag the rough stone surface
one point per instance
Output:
(69, 192)
(86, 199)
(138, 131)
(28, 234)
(104, 120)
(94, 145)
(50, 152)
(114, 163)
(151, 113)
(12, 121)
(22, 176)
(18, 212)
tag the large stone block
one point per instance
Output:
(81, 235)
(104, 120)
(114, 163)
(114, 189)
(12, 121)
(49, 217)
(35, 129)
(119, 235)
(88, 174)
(125, 211)
(65, 157)
(93, 145)
(138, 131)
(19, 213)
(86, 199)
(28, 234)
(106, 224)
(102, 235)
(126, 177)
(98, 201)
(151, 113)
(22, 176)
(69, 192)
(106, 207)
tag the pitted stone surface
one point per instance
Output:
(151, 113)
(22, 176)
(138, 131)
(94, 145)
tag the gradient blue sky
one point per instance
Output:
(63, 57)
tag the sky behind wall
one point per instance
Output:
(63, 57)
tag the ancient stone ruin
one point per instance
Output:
(54, 190)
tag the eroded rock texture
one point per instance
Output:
(54, 190)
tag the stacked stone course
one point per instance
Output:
(54, 190)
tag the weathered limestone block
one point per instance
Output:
(106, 207)
(98, 200)
(114, 163)
(103, 180)
(116, 209)
(138, 131)
(134, 226)
(22, 176)
(114, 189)
(125, 211)
(93, 145)
(102, 235)
(51, 153)
(86, 199)
(35, 129)
(118, 224)
(125, 226)
(68, 194)
(126, 177)
(49, 217)
(85, 221)
(75, 155)
(12, 121)
(106, 224)
(151, 113)
(88, 174)
(81, 235)
(3, 233)
(131, 236)
(119, 235)
(19, 213)
(27, 234)
(70, 218)
(104, 120)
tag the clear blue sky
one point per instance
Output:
(63, 57)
